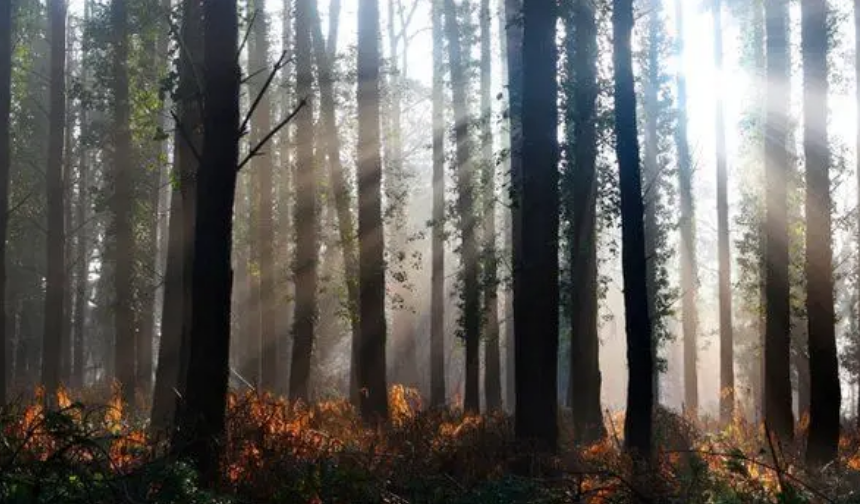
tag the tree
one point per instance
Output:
(202, 414)
(536, 295)
(857, 96)
(492, 366)
(305, 272)
(465, 206)
(437, 295)
(778, 414)
(51, 361)
(371, 362)
(171, 372)
(825, 398)
(640, 394)
(5, 164)
(727, 369)
(580, 185)
(689, 274)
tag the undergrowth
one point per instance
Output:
(276, 452)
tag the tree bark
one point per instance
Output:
(689, 268)
(305, 272)
(536, 295)
(437, 293)
(5, 165)
(640, 394)
(857, 142)
(778, 413)
(371, 369)
(585, 377)
(465, 207)
(209, 345)
(825, 395)
(52, 343)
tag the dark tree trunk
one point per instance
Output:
(5, 160)
(52, 342)
(492, 359)
(124, 326)
(536, 295)
(857, 99)
(727, 368)
(640, 393)
(342, 197)
(437, 294)
(585, 378)
(262, 123)
(306, 213)
(465, 207)
(778, 413)
(689, 268)
(209, 345)
(371, 369)
(284, 214)
(68, 241)
(825, 397)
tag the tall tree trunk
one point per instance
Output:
(492, 359)
(640, 393)
(305, 213)
(513, 59)
(465, 207)
(68, 241)
(825, 397)
(124, 326)
(371, 369)
(689, 269)
(727, 368)
(437, 288)
(262, 123)
(5, 163)
(778, 413)
(536, 295)
(342, 197)
(82, 214)
(857, 99)
(55, 279)
(585, 378)
(209, 345)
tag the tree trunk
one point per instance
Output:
(437, 294)
(342, 197)
(778, 413)
(55, 279)
(68, 241)
(209, 345)
(536, 295)
(727, 368)
(284, 214)
(640, 393)
(305, 214)
(857, 99)
(585, 377)
(492, 363)
(5, 164)
(689, 268)
(371, 369)
(825, 398)
(465, 207)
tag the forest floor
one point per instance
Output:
(281, 453)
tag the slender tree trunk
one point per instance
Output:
(82, 214)
(342, 197)
(778, 413)
(124, 326)
(825, 397)
(68, 241)
(262, 123)
(857, 99)
(284, 198)
(536, 295)
(465, 207)
(371, 369)
(585, 378)
(437, 294)
(305, 214)
(52, 343)
(689, 269)
(5, 164)
(209, 345)
(492, 359)
(640, 393)
(727, 368)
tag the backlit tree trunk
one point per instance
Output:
(5, 160)
(437, 295)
